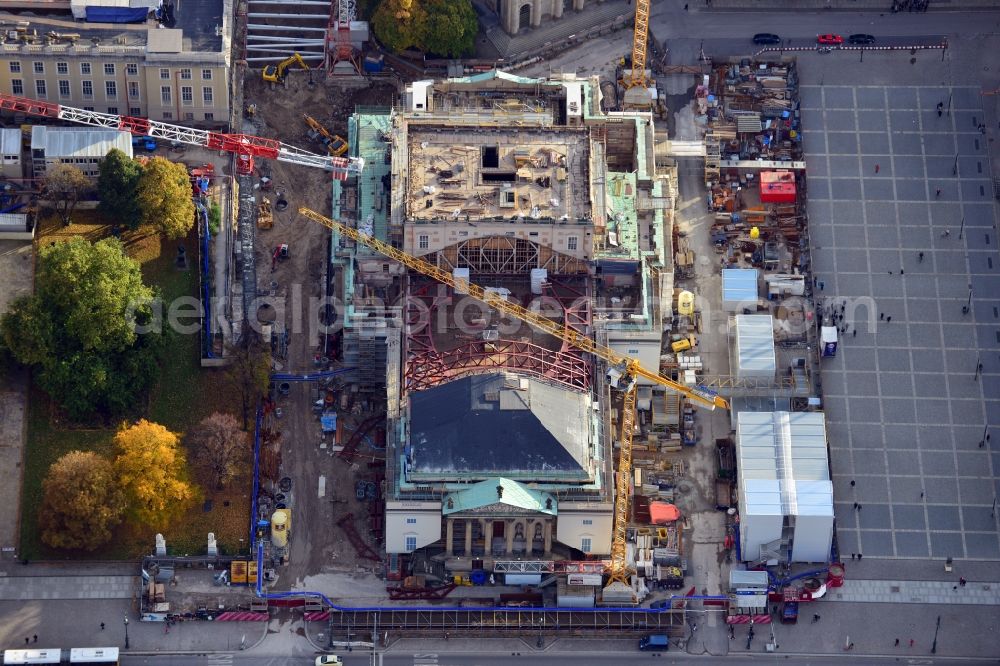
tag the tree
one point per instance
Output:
(152, 469)
(78, 328)
(65, 184)
(82, 502)
(452, 26)
(117, 185)
(249, 372)
(164, 197)
(400, 24)
(219, 446)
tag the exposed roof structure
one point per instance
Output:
(739, 287)
(783, 465)
(59, 142)
(754, 346)
(498, 490)
(499, 425)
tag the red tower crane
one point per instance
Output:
(246, 147)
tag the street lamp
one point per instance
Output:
(934, 644)
(126, 633)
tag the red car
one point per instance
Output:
(830, 40)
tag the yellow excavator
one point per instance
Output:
(335, 144)
(622, 374)
(276, 73)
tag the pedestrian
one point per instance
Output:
(685, 6)
(897, 642)
(888, 319)
(102, 626)
(854, 334)
(946, 233)
(876, 168)
(859, 557)
(821, 285)
(921, 494)
(881, 316)
(34, 638)
(815, 618)
(911, 642)
(902, 271)
(27, 641)
(890, 272)
(853, 557)
(855, 506)
(852, 483)
(962, 581)
(859, 509)
(937, 193)
(920, 257)
(851, 646)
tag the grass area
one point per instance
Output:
(184, 395)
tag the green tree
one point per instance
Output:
(117, 185)
(152, 469)
(400, 24)
(452, 26)
(219, 447)
(78, 328)
(164, 197)
(82, 502)
(249, 372)
(65, 184)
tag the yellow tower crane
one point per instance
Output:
(623, 371)
(637, 77)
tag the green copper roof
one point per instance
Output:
(498, 490)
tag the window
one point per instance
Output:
(588, 521)
(207, 96)
(132, 69)
(109, 69)
(15, 67)
(64, 88)
(585, 544)
(134, 111)
(411, 543)
(167, 115)
(206, 74)
(40, 89)
(111, 89)
(188, 116)
(88, 88)
(423, 242)
(133, 89)
(185, 74)
(165, 94)
(39, 67)
(17, 87)
(165, 74)
(88, 108)
(113, 109)
(411, 521)
(85, 68)
(62, 68)
(209, 116)
(187, 95)
(571, 243)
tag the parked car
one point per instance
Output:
(147, 143)
(830, 40)
(766, 38)
(861, 38)
(328, 660)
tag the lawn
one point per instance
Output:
(184, 395)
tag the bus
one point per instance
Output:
(98, 655)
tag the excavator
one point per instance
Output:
(276, 73)
(623, 373)
(335, 144)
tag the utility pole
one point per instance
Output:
(126, 633)
(934, 644)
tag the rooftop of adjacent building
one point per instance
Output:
(200, 24)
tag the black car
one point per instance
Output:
(766, 38)
(861, 39)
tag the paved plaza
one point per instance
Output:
(902, 223)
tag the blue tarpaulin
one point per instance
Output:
(116, 14)
(329, 421)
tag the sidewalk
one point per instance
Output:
(834, 5)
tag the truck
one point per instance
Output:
(658, 642)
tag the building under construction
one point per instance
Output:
(500, 440)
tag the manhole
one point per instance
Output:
(266, 313)
(281, 204)
(285, 484)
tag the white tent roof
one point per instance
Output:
(755, 345)
(739, 285)
(783, 464)
(10, 141)
(60, 142)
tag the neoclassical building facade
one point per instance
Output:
(516, 15)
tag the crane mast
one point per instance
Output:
(246, 146)
(637, 78)
(630, 370)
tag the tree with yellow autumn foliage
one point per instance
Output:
(152, 469)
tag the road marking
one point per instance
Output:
(322, 486)
(425, 659)
(220, 659)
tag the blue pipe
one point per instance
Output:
(206, 291)
(256, 481)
